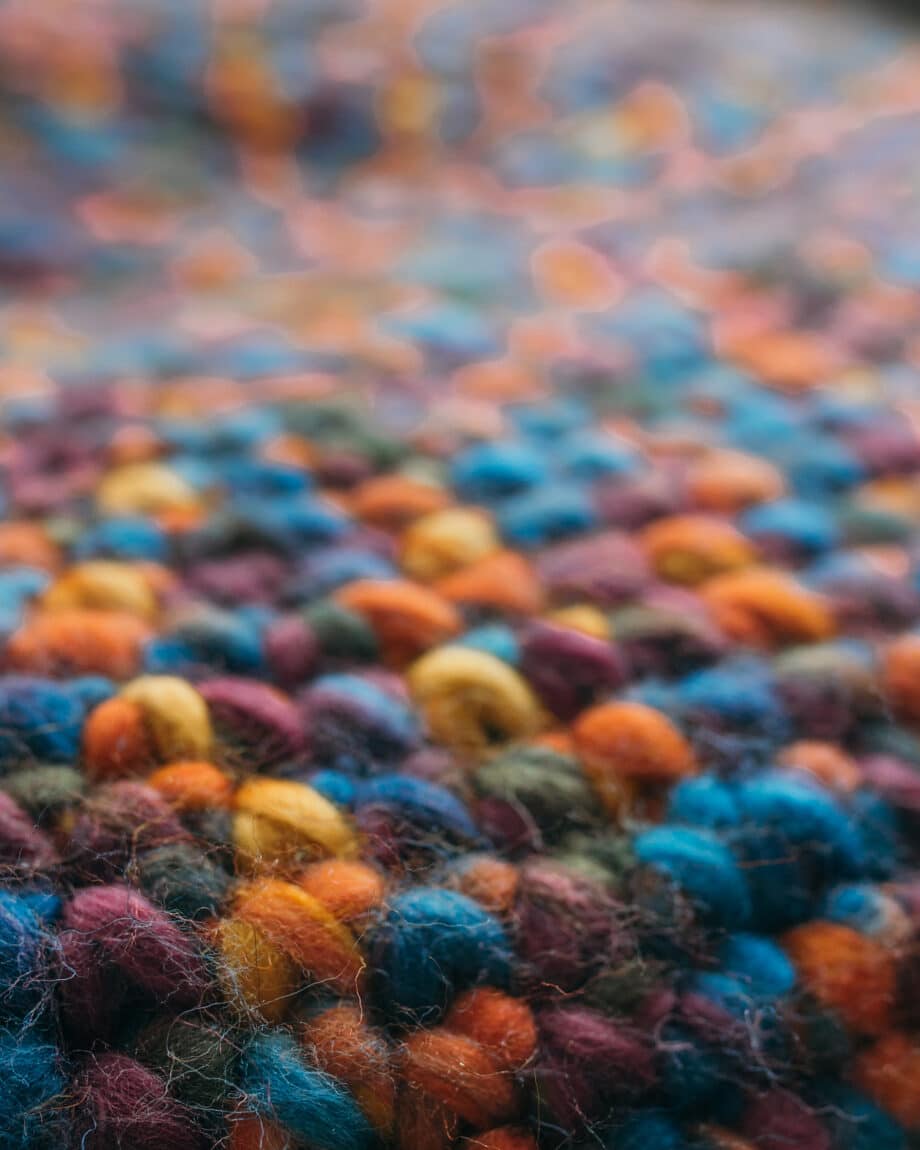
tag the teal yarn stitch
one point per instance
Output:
(861, 906)
(648, 1131)
(807, 816)
(547, 515)
(701, 867)
(24, 945)
(432, 809)
(856, 1123)
(705, 802)
(760, 964)
(278, 1084)
(492, 471)
(122, 538)
(430, 945)
(32, 1109)
(39, 719)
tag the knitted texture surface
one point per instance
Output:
(459, 576)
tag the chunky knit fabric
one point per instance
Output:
(459, 588)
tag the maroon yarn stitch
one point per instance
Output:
(266, 724)
(119, 821)
(114, 941)
(22, 844)
(568, 669)
(121, 1104)
(589, 1064)
(567, 928)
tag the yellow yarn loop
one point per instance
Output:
(287, 821)
(444, 541)
(472, 700)
(176, 715)
(583, 617)
(256, 974)
(144, 489)
(104, 585)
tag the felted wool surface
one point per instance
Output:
(459, 587)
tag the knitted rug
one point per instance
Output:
(459, 576)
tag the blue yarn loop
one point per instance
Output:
(278, 1084)
(431, 944)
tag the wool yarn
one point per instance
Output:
(459, 582)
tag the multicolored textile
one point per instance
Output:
(459, 583)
